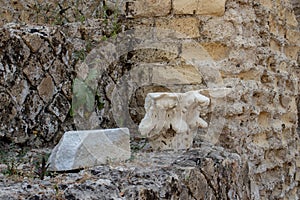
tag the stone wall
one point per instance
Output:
(296, 5)
(254, 45)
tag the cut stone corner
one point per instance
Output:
(89, 148)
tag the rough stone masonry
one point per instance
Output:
(254, 44)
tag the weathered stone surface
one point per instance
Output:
(33, 41)
(147, 8)
(50, 128)
(256, 38)
(199, 7)
(80, 149)
(26, 56)
(167, 75)
(20, 91)
(33, 99)
(296, 7)
(33, 70)
(60, 107)
(209, 172)
(46, 88)
(217, 51)
(187, 26)
(172, 119)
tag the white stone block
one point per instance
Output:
(80, 149)
(172, 119)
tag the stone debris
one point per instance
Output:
(172, 119)
(208, 172)
(81, 149)
(254, 46)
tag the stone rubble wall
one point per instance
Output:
(196, 174)
(296, 5)
(255, 44)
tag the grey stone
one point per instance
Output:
(208, 172)
(60, 107)
(80, 149)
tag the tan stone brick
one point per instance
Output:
(185, 6)
(298, 162)
(297, 178)
(292, 52)
(192, 50)
(293, 37)
(272, 24)
(199, 7)
(188, 26)
(216, 50)
(266, 3)
(291, 19)
(147, 8)
(274, 45)
(171, 75)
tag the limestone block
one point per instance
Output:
(172, 119)
(291, 18)
(217, 51)
(266, 3)
(293, 37)
(199, 7)
(188, 26)
(292, 52)
(147, 8)
(171, 75)
(80, 149)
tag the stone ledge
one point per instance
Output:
(204, 173)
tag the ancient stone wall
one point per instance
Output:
(296, 5)
(254, 45)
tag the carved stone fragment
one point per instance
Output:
(172, 119)
(80, 149)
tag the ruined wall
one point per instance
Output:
(296, 5)
(253, 43)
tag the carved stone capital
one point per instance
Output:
(172, 119)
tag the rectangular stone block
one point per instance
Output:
(171, 75)
(81, 149)
(147, 8)
(217, 51)
(266, 3)
(292, 52)
(199, 7)
(293, 37)
(188, 27)
(291, 18)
